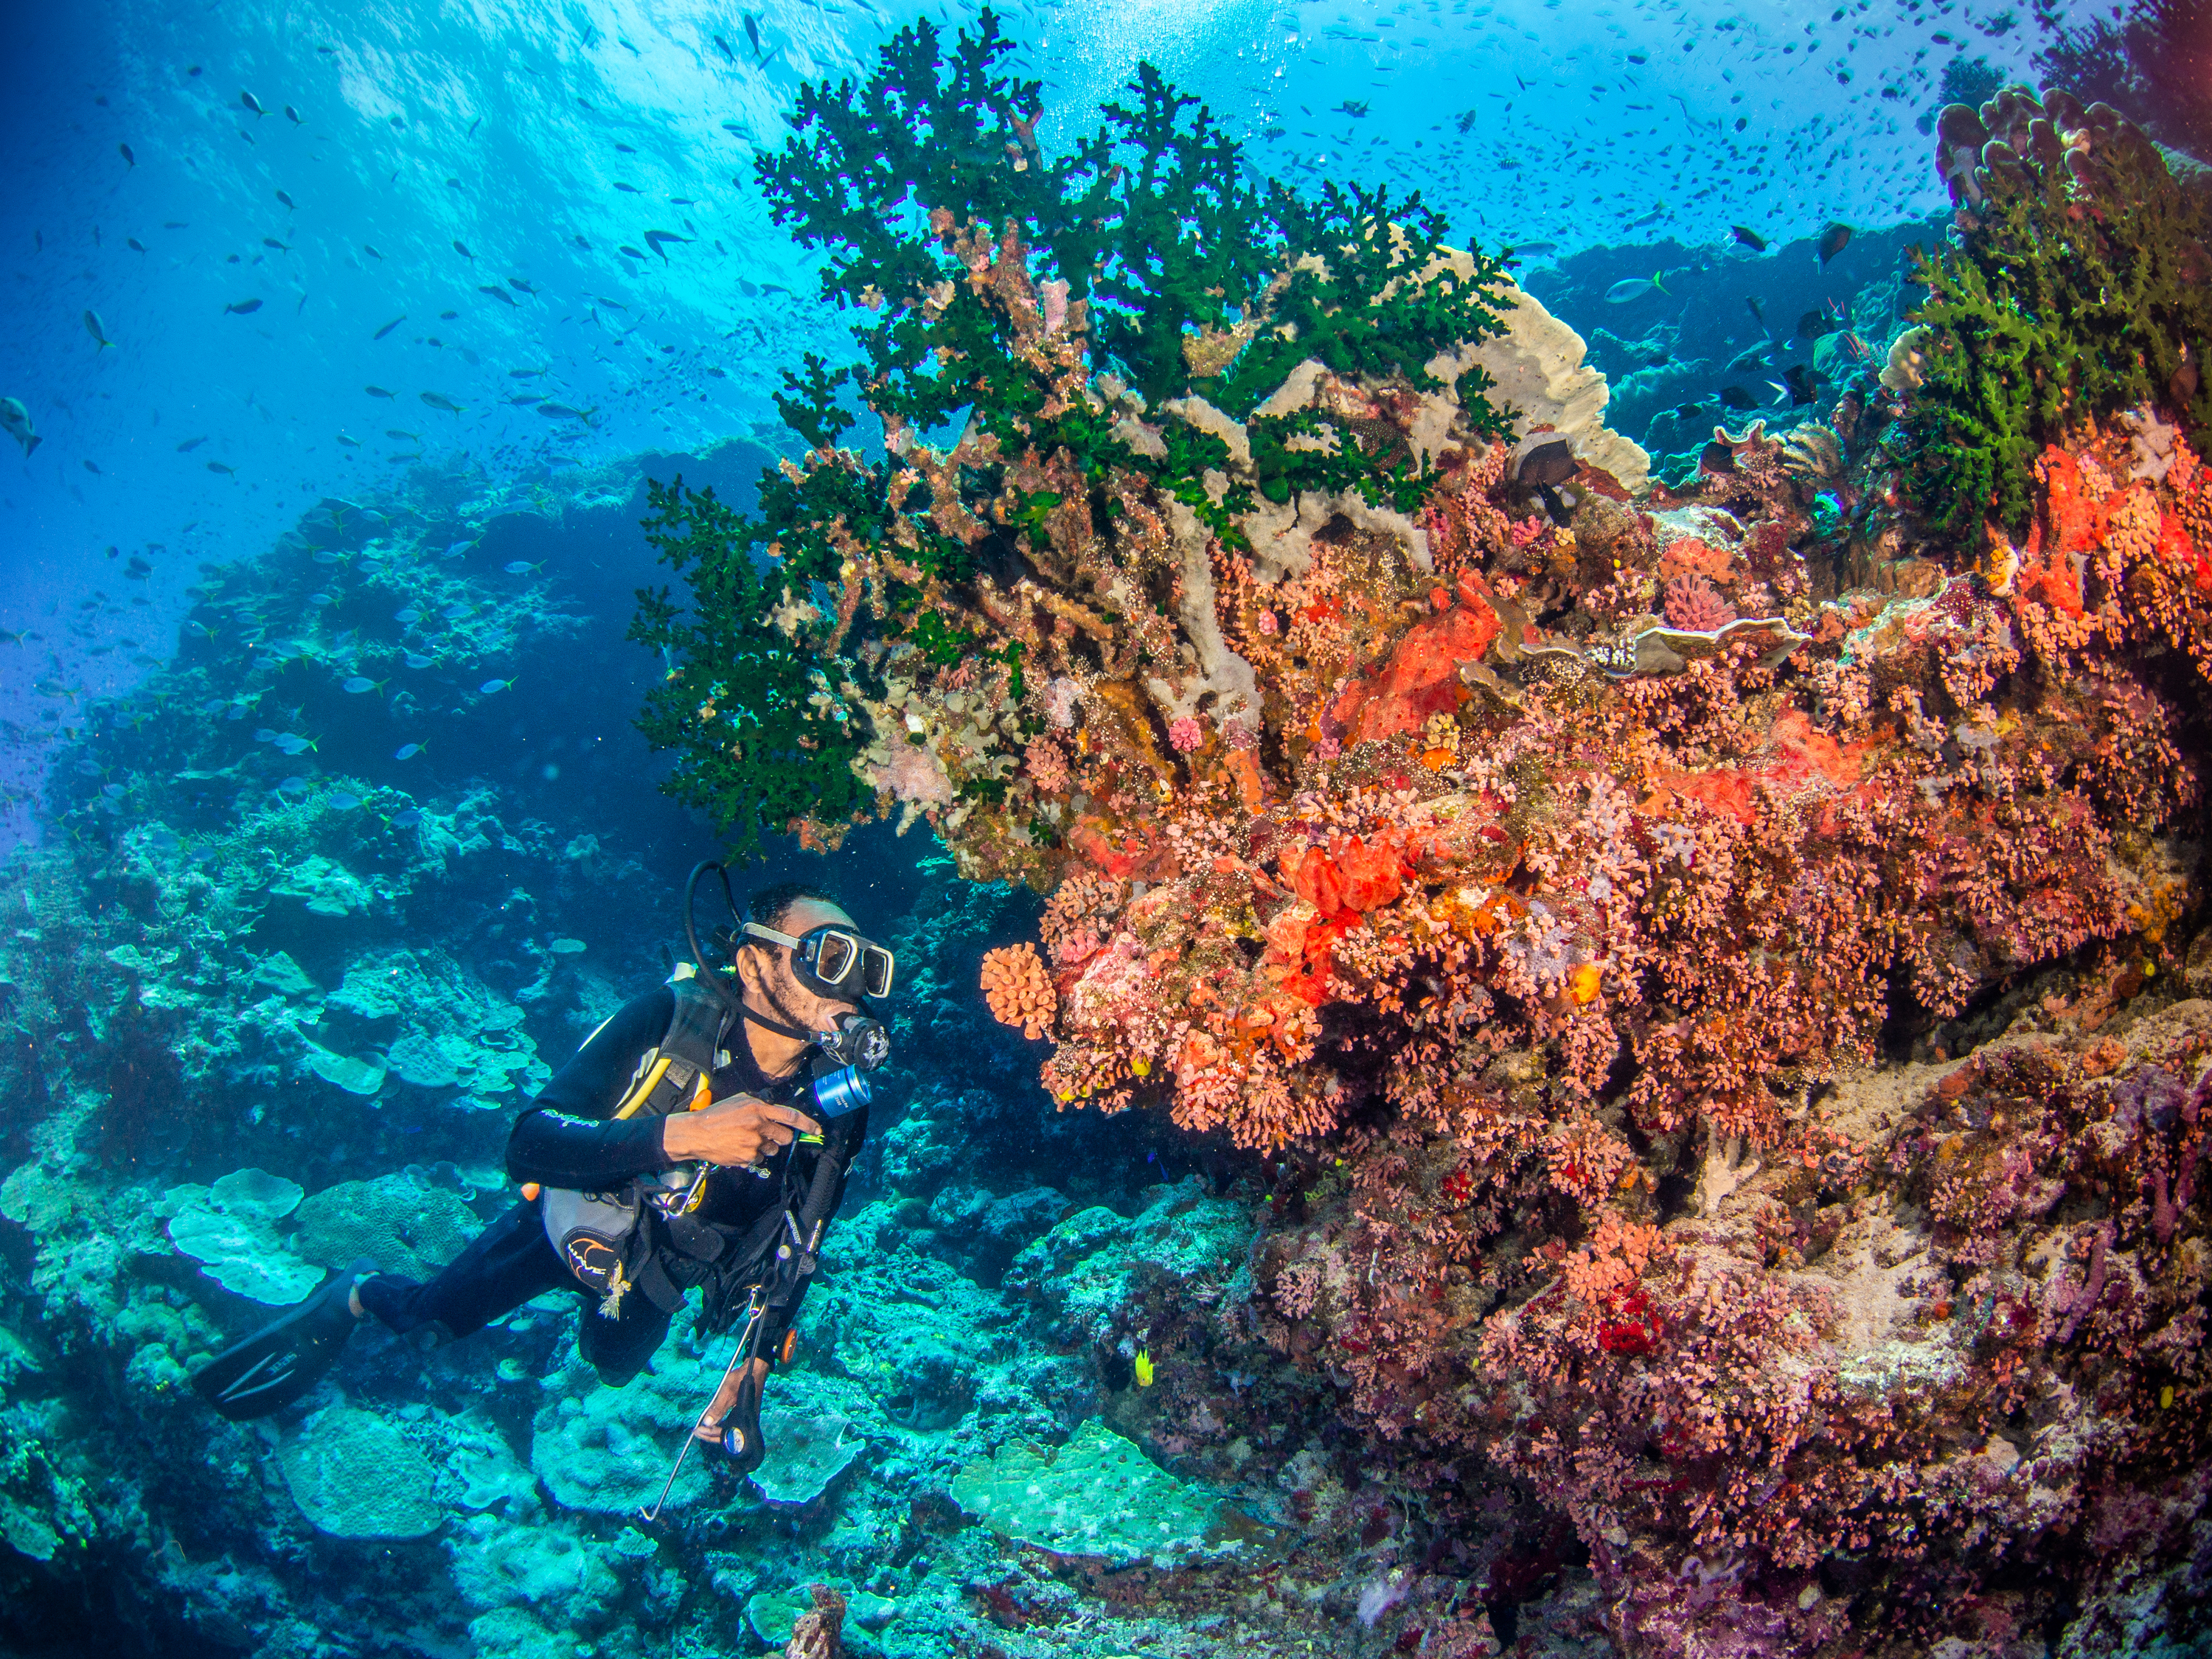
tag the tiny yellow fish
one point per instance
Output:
(1144, 1368)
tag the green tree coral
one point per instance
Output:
(764, 737)
(1034, 307)
(2079, 290)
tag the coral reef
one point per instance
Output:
(1649, 1038)
(1585, 892)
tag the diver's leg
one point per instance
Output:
(503, 1266)
(618, 1348)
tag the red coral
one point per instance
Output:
(1422, 676)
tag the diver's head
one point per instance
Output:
(802, 958)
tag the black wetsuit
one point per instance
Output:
(567, 1139)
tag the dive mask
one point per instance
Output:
(832, 961)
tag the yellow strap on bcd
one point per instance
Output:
(636, 1098)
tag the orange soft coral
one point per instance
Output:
(1018, 990)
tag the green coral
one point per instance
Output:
(397, 1222)
(1098, 1495)
(354, 1475)
(739, 702)
(1031, 302)
(2071, 297)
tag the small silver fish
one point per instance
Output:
(1635, 287)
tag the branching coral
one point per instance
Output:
(1069, 538)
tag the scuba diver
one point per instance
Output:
(699, 1139)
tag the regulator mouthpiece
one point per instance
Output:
(858, 1041)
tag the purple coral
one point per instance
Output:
(1693, 605)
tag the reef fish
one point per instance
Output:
(389, 326)
(97, 329)
(1635, 287)
(1833, 240)
(1750, 238)
(15, 421)
(439, 400)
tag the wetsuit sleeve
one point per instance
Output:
(569, 1136)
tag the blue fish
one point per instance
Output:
(343, 802)
(359, 684)
(407, 751)
(415, 659)
(491, 688)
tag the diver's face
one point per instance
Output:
(766, 971)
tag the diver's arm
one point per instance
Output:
(556, 1150)
(568, 1137)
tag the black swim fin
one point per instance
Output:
(270, 1368)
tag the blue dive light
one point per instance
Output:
(841, 1091)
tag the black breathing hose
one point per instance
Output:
(706, 971)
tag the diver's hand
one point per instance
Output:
(710, 1426)
(734, 1131)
